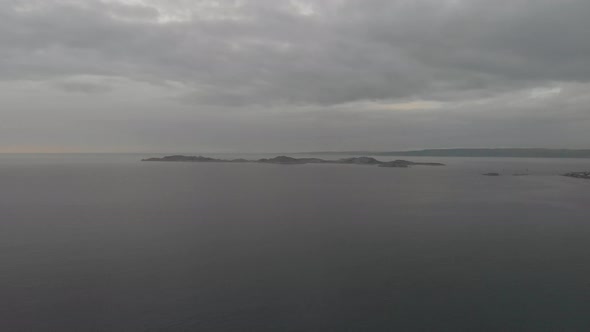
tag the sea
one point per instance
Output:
(105, 242)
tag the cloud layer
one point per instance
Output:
(268, 75)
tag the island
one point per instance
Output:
(285, 160)
(578, 175)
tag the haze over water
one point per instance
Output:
(109, 243)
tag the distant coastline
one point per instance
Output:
(472, 152)
(285, 160)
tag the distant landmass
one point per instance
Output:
(472, 152)
(285, 160)
(578, 175)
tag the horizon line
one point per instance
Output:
(289, 152)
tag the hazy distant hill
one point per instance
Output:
(499, 152)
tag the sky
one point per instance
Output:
(292, 75)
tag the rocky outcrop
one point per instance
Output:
(406, 163)
(578, 175)
(291, 160)
(360, 161)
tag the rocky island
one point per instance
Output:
(285, 160)
(578, 175)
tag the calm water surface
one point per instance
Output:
(108, 243)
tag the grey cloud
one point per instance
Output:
(347, 51)
(84, 87)
(265, 69)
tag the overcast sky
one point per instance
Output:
(301, 75)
